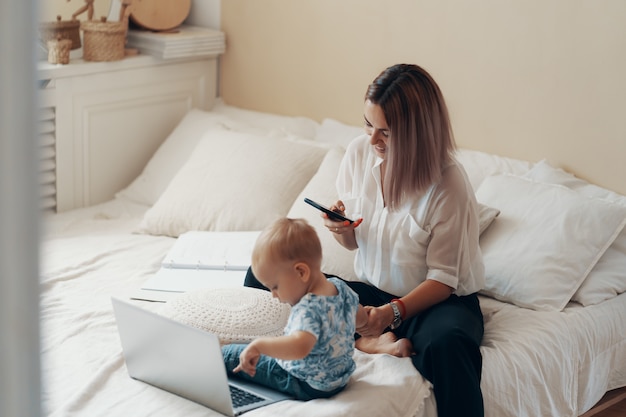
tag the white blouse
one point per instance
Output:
(434, 236)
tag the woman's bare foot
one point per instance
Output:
(386, 343)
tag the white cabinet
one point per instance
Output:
(101, 122)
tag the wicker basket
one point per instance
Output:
(103, 41)
(59, 51)
(68, 29)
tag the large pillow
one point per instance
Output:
(288, 125)
(486, 216)
(479, 165)
(233, 181)
(337, 133)
(235, 315)
(545, 241)
(608, 278)
(171, 155)
(337, 260)
(175, 150)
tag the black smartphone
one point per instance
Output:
(332, 214)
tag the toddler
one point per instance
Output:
(313, 359)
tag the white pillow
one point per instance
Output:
(477, 164)
(545, 241)
(233, 181)
(337, 133)
(336, 260)
(175, 150)
(235, 315)
(172, 154)
(608, 278)
(480, 165)
(287, 125)
(486, 216)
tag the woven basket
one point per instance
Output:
(68, 29)
(59, 51)
(103, 41)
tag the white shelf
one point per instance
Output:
(78, 66)
(100, 122)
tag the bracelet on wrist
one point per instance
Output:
(397, 316)
(401, 306)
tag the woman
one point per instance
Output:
(418, 259)
(416, 235)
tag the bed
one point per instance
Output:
(554, 248)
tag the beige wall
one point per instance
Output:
(530, 79)
(50, 9)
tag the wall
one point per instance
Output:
(50, 9)
(530, 79)
(202, 13)
(205, 13)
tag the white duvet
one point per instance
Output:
(534, 363)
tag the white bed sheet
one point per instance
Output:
(551, 363)
(534, 363)
(90, 255)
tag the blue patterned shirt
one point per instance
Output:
(332, 320)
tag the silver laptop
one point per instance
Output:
(185, 361)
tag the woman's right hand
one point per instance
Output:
(334, 225)
(343, 231)
(378, 319)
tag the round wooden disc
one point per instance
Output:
(159, 14)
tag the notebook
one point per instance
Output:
(200, 259)
(184, 361)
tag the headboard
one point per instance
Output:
(524, 79)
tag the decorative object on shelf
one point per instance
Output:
(106, 40)
(59, 50)
(103, 41)
(186, 41)
(66, 29)
(125, 10)
(157, 29)
(88, 7)
(160, 15)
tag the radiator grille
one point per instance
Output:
(47, 159)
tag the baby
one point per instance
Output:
(313, 359)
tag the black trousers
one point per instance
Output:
(446, 339)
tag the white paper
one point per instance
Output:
(211, 250)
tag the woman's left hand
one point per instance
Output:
(379, 318)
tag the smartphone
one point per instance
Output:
(332, 214)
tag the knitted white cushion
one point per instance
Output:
(235, 315)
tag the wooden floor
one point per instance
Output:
(617, 410)
(613, 404)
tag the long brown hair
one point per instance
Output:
(421, 142)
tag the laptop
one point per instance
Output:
(185, 361)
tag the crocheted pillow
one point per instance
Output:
(235, 315)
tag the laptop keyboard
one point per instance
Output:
(241, 398)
